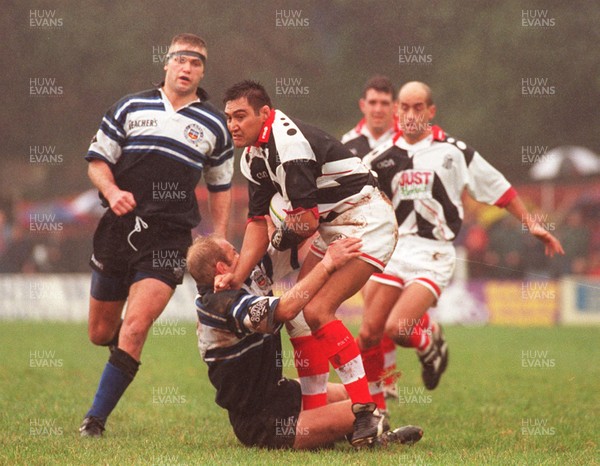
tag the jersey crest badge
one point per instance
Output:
(193, 133)
(258, 277)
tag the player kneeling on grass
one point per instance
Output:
(239, 339)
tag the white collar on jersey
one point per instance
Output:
(169, 106)
(411, 148)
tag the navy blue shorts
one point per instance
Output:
(129, 248)
(274, 426)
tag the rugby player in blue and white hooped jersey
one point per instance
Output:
(424, 172)
(331, 192)
(146, 160)
(239, 339)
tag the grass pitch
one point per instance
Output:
(510, 396)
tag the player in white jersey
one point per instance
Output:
(146, 160)
(424, 172)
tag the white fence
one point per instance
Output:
(570, 300)
(65, 297)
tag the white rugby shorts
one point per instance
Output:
(372, 219)
(416, 259)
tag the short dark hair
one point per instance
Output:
(379, 83)
(202, 258)
(188, 38)
(253, 91)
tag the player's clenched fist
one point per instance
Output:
(226, 281)
(121, 202)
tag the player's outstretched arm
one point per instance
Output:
(121, 202)
(552, 245)
(338, 253)
(254, 247)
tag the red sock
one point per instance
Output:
(342, 351)
(424, 321)
(313, 369)
(373, 362)
(388, 348)
(420, 335)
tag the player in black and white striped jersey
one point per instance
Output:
(331, 192)
(424, 172)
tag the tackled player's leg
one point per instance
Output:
(339, 345)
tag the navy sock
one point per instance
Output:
(114, 381)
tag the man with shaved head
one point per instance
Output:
(424, 172)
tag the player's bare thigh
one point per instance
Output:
(323, 425)
(336, 392)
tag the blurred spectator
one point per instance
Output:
(535, 262)
(575, 237)
(593, 269)
(476, 241)
(505, 242)
(18, 254)
(48, 257)
(4, 232)
(594, 230)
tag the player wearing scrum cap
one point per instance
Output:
(146, 160)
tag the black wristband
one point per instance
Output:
(283, 238)
(294, 257)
